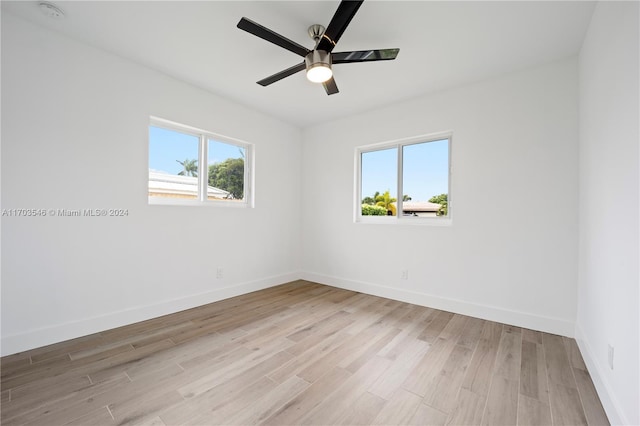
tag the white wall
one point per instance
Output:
(74, 136)
(510, 254)
(608, 304)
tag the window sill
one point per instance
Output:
(420, 221)
(159, 201)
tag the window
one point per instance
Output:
(176, 175)
(402, 180)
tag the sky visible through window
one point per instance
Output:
(167, 147)
(425, 170)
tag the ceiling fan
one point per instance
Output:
(318, 61)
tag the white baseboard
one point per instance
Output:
(520, 319)
(57, 333)
(60, 332)
(607, 396)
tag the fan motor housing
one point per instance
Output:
(318, 58)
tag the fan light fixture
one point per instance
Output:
(318, 64)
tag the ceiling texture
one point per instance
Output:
(442, 45)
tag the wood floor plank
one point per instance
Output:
(558, 366)
(593, 409)
(129, 412)
(25, 368)
(252, 366)
(343, 354)
(64, 348)
(328, 329)
(307, 400)
(346, 394)
(187, 355)
(400, 409)
(566, 408)
(44, 391)
(575, 359)
(99, 417)
(363, 410)
(509, 354)
(370, 351)
(471, 333)
(468, 410)
(478, 376)
(303, 353)
(531, 336)
(533, 412)
(393, 378)
(132, 363)
(151, 421)
(502, 402)
(435, 327)
(357, 303)
(533, 372)
(75, 405)
(229, 402)
(309, 358)
(425, 372)
(428, 416)
(441, 393)
(219, 397)
(417, 319)
(455, 327)
(269, 403)
(369, 315)
(50, 367)
(9, 363)
(318, 326)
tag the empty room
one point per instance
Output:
(320, 212)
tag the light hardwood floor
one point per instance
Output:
(304, 353)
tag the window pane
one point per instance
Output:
(173, 164)
(226, 164)
(425, 178)
(379, 182)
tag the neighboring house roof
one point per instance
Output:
(420, 206)
(164, 183)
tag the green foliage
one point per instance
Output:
(190, 167)
(385, 200)
(405, 197)
(369, 210)
(442, 200)
(370, 200)
(229, 176)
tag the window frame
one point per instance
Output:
(399, 218)
(203, 178)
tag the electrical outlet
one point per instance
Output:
(610, 357)
(404, 274)
(219, 273)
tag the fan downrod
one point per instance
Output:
(315, 32)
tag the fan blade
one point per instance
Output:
(282, 74)
(273, 37)
(330, 86)
(364, 56)
(346, 11)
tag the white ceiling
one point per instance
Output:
(442, 45)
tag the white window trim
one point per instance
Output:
(203, 178)
(399, 219)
